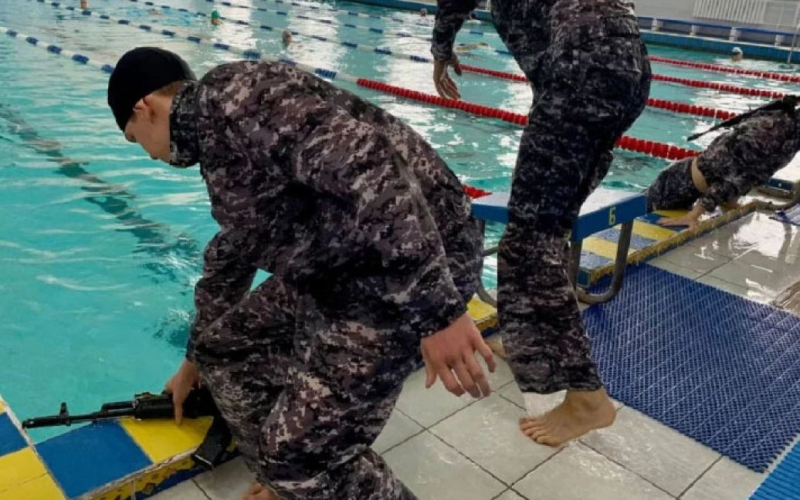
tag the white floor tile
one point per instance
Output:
(428, 406)
(435, 471)
(730, 288)
(754, 232)
(488, 433)
(397, 429)
(509, 495)
(512, 393)
(228, 482)
(666, 265)
(731, 240)
(579, 473)
(726, 480)
(762, 284)
(186, 490)
(698, 259)
(659, 454)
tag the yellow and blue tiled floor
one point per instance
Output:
(108, 460)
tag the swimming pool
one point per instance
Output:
(100, 246)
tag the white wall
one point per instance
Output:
(777, 17)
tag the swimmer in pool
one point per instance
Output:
(737, 54)
(84, 4)
(466, 49)
(760, 143)
(216, 19)
(423, 13)
(287, 38)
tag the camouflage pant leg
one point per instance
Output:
(244, 358)
(674, 188)
(589, 96)
(316, 442)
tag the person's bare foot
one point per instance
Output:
(580, 413)
(258, 492)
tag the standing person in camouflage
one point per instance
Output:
(373, 251)
(591, 77)
(762, 142)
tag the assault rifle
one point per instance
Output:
(148, 406)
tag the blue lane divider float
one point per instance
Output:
(350, 45)
(329, 22)
(334, 10)
(57, 50)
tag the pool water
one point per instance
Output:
(100, 246)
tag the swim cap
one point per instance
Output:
(215, 14)
(140, 72)
(737, 50)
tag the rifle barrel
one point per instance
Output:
(55, 420)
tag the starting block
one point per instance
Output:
(603, 210)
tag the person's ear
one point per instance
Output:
(149, 107)
(140, 108)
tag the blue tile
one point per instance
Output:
(10, 438)
(637, 242)
(90, 457)
(591, 261)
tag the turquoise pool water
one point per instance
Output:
(100, 246)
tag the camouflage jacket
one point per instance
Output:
(546, 22)
(747, 156)
(333, 195)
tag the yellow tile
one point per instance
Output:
(597, 246)
(162, 439)
(652, 231)
(41, 488)
(672, 213)
(19, 467)
(479, 310)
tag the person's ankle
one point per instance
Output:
(587, 400)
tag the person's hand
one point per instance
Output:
(445, 85)
(452, 350)
(691, 219)
(180, 385)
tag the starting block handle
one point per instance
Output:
(620, 265)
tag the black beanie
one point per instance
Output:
(140, 72)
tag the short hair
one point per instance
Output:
(171, 89)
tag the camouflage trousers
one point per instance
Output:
(585, 96)
(674, 188)
(305, 395)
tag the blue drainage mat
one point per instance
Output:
(784, 482)
(716, 367)
(791, 216)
